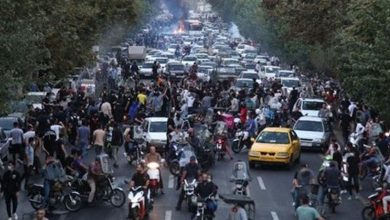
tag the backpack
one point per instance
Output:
(54, 171)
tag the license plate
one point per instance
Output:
(305, 144)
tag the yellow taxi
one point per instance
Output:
(275, 146)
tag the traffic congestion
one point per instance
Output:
(191, 120)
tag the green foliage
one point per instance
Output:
(364, 64)
(49, 38)
(346, 39)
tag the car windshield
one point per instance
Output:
(147, 65)
(158, 126)
(250, 76)
(272, 137)
(290, 83)
(34, 98)
(244, 84)
(19, 107)
(6, 123)
(271, 69)
(309, 126)
(176, 67)
(162, 60)
(314, 106)
(285, 74)
(189, 58)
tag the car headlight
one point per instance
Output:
(254, 153)
(318, 140)
(282, 154)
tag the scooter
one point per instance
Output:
(135, 154)
(202, 213)
(241, 141)
(154, 177)
(137, 203)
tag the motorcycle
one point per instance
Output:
(204, 150)
(189, 196)
(333, 198)
(220, 149)
(61, 192)
(136, 154)
(173, 157)
(202, 213)
(154, 177)
(137, 203)
(240, 177)
(241, 141)
(375, 208)
(105, 190)
(325, 164)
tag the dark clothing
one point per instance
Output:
(140, 179)
(49, 142)
(383, 146)
(68, 163)
(205, 189)
(332, 177)
(8, 199)
(353, 164)
(192, 171)
(11, 182)
(59, 152)
(338, 157)
(117, 137)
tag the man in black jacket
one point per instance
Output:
(11, 188)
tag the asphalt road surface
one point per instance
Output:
(270, 188)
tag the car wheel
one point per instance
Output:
(298, 160)
(290, 164)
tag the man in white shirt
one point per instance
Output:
(57, 127)
(30, 133)
(351, 108)
(106, 109)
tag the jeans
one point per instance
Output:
(92, 185)
(46, 190)
(83, 148)
(115, 151)
(8, 199)
(385, 201)
(297, 193)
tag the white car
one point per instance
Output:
(288, 83)
(269, 71)
(313, 132)
(189, 60)
(162, 61)
(308, 107)
(155, 131)
(146, 69)
(250, 74)
(285, 73)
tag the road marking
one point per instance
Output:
(274, 215)
(171, 181)
(261, 183)
(168, 215)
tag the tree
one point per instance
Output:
(364, 65)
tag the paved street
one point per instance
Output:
(270, 188)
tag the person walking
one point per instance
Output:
(117, 142)
(29, 160)
(11, 189)
(98, 140)
(16, 135)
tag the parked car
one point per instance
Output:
(314, 132)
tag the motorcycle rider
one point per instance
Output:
(154, 156)
(352, 162)
(193, 140)
(190, 171)
(94, 174)
(205, 189)
(141, 178)
(303, 178)
(332, 178)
